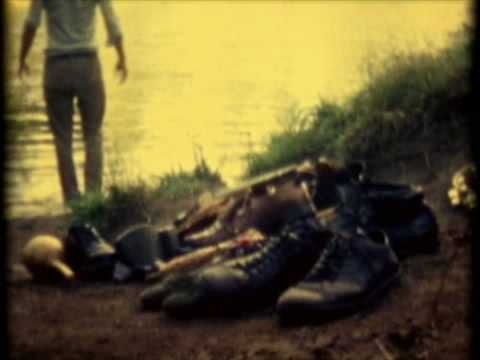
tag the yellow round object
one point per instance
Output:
(454, 196)
(458, 180)
(463, 188)
(43, 256)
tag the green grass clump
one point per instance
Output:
(303, 137)
(407, 98)
(127, 203)
(115, 208)
(181, 184)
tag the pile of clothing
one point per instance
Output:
(316, 241)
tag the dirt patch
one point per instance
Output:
(414, 320)
(104, 322)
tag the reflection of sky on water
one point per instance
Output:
(219, 74)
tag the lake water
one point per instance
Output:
(217, 76)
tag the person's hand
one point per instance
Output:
(121, 68)
(23, 69)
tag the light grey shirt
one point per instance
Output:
(71, 23)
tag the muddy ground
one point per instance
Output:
(98, 321)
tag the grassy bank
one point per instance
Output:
(407, 98)
(411, 104)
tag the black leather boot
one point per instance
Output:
(350, 273)
(246, 283)
(413, 235)
(89, 255)
(397, 210)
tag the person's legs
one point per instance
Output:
(59, 101)
(91, 102)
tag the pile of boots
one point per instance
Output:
(132, 256)
(83, 254)
(315, 267)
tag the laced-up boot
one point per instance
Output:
(396, 210)
(91, 257)
(245, 283)
(349, 274)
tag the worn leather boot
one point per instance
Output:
(397, 210)
(350, 273)
(90, 256)
(413, 235)
(245, 283)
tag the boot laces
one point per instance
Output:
(290, 240)
(267, 255)
(331, 260)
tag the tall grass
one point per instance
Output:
(114, 209)
(134, 201)
(182, 184)
(407, 97)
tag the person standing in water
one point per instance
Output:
(73, 71)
